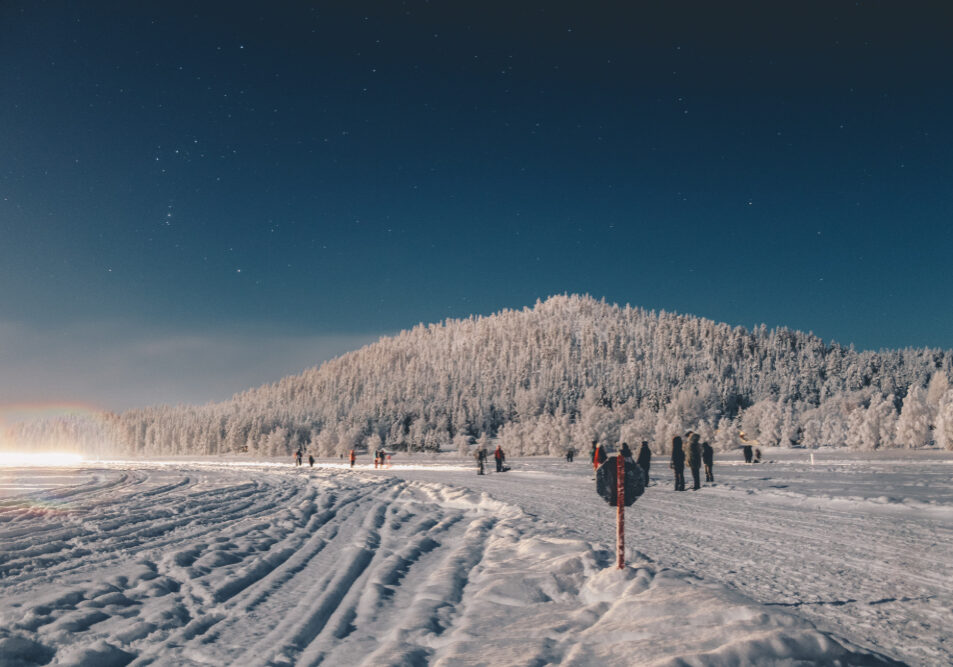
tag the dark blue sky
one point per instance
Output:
(288, 181)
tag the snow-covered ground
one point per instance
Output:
(227, 563)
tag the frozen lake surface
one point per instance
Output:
(201, 561)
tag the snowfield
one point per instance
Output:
(231, 562)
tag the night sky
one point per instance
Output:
(197, 197)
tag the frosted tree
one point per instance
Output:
(461, 443)
(883, 413)
(751, 420)
(562, 434)
(857, 435)
(640, 426)
(769, 426)
(936, 390)
(726, 437)
(313, 441)
(373, 442)
(872, 427)
(705, 431)
(913, 425)
(834, 421)
(599, 423)
(327, 443)
(397, 433)
(790, 430)
(276, 444)
(667, 426)
(511, 438)
(943, 428)
(811, 429)
(350, 439)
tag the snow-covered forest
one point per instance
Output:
(558, 375)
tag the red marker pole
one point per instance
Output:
(620, 510)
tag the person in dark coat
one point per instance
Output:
(298, 457)
(569, 454)
(481, 460)
(757, 455)
(500, 458)
(746, 450)
(693, 452)
(708, 458)
(678, 463)
(625, 451)
(311, 460)
(645, 459)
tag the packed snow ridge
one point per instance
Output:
(207, 562)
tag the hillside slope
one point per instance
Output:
(570, 369)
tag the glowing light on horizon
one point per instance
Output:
(21, 412)
(30, 459)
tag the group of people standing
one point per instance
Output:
(298, 455)
(746, 450)
(498, 456)
(690, 450)
(597, 455)
(381, 458)
(694, 452)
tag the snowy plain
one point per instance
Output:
(239, 562)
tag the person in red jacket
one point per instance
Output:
(598, 455)
(351, 457)
(500, 458)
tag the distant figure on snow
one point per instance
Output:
(351, 457)
(625, 451)
(311, 460)
(500, 458)
(708, 458)
(645, 459)
(693, 452)
(569, 454)
(746, 450)
(298, 457)
(678, 463)
(480, 457)
(757, 455)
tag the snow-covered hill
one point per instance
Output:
(211, 562)
(551, 377)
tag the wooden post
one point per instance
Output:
(620, 510)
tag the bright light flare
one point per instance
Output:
(24, 459)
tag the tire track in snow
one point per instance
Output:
(125, 528)
(376, 560)
(772, 548)
(277, 566)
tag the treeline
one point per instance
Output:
(558, 375)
